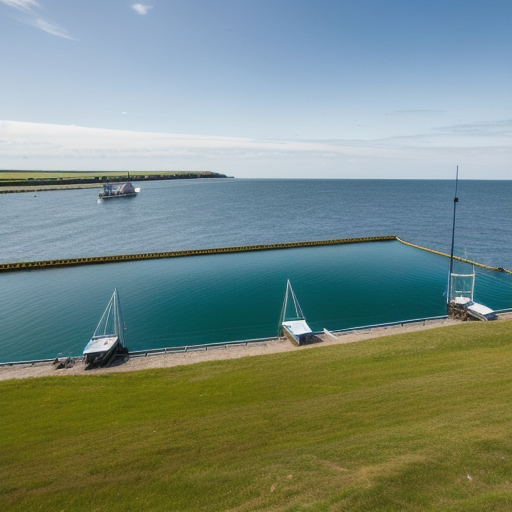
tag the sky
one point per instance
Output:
(259, 88)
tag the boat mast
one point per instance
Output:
(120, 319)
(116, 319)
(455, 201)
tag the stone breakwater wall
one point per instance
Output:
(94, 260)
(488, 267)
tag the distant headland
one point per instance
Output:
(28, 181)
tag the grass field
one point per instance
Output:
(411, 422)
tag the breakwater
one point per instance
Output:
(458, 258)
(45, 188)
(94, 260)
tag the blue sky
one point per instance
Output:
(259, 88)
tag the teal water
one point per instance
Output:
(228, 297)
(239, 296)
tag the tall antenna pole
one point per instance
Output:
(455, 201)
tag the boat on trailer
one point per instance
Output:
(294, 326)
(461, 287)
(122, 189)
(108, 338)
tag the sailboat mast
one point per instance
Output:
(120, 319)
(455, 201)
(116, 319)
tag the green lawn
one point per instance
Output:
(410, 422)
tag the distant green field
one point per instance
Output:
(25, 175)
(410, 422)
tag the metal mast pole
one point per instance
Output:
(455, 201)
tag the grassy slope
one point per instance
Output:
(393, 424)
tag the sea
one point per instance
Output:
(238, 296)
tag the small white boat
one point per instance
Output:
(294, 325)
(465, 307)
(108, 337)
(480, 312)
(113, 190)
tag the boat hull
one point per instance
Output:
(100, 349)
(103, 196)
(298, 332)
(122, 189)
(466, 309)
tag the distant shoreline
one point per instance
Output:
(44, 188)
(37, 181)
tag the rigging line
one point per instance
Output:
(283, 309)
(98, 327)
(296, 305)
(109, 310)
(120, 323)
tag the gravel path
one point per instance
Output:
(274, 346)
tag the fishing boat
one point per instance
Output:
(108, 338)
(294, 325)
(461, 287)
(123, 189)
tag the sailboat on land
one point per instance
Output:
(108, 338)
(461, 287)
(293, 323)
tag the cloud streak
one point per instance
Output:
(78, 147)
(59, 137)
(24, 5)
(51, 28)
(32, 17)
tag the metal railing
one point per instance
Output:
(226, 344)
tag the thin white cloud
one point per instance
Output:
(419, 111)
(32, 18)
(141, 9)
(51, 28)
(92, 139)
(24, 5)
(78, 147)
(484, 128)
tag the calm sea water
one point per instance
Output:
(239, 296)
(185, 214)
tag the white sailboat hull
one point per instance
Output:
(297, 331)
(100, 349)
